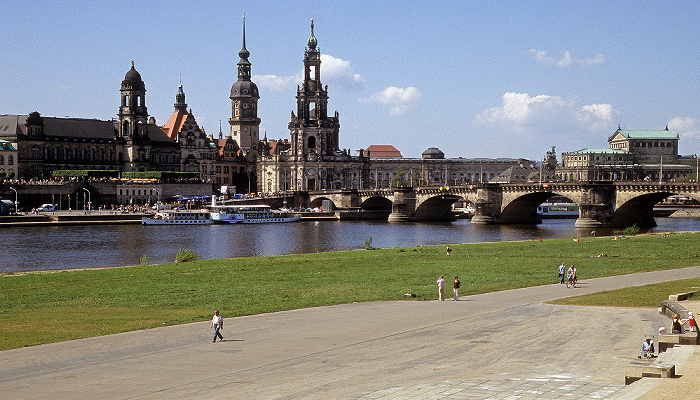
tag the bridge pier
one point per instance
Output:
(596, 207)
(487, 207)
(404, 206)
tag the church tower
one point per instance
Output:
(244, 119)
(314, 133)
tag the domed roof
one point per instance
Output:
(133, 75)
(433, 153)
(244, 89)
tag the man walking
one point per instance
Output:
(455, 288)
(217, 323)
(562, 270)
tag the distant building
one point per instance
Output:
(632, 155)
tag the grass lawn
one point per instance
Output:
(638, 296)
(44, 307)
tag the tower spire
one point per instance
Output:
(312, 39)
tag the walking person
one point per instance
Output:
(441, 288)
(455, 289)
(449, 251)
(562, 271)
(217, 322)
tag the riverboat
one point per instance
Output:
(558, 210)
(179, 217)
(251, 214)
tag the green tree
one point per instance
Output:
(398, 179)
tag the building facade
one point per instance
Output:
(197, 150)
(133, 142)
(8, 157)
(632, 155)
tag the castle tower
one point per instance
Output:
(244, 119)
(314, 133)
(133, 115)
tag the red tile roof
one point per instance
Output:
(382, 151)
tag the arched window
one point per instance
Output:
(312, 142)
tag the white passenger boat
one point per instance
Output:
(179, 217)
(251, 214)
(558, 210)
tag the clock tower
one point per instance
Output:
(244, 119)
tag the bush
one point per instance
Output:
(185, 255)
(631, 230)
(368, 244)
(144, 260)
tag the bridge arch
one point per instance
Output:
(436, 208)
(523, 209)
(376, 203)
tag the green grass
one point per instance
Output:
(638, 296)
(53, 306)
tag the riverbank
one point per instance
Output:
(82, 303)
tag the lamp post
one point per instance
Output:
(158, 193)
(89, 199)
(16, 200)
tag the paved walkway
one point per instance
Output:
(504, 345)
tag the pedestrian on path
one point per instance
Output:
(217, 322)
(455, 289)
(441, 288)
(562, 271)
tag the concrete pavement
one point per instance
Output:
(492, 345)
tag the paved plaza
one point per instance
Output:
(504, 345)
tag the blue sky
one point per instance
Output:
(473, 78)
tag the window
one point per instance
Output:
(312, 142)
(2, 159)
(10, 160)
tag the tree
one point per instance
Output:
(398, 179)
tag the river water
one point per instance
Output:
(62, 247)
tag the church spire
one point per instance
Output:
(244, 64)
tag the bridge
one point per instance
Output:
(601, 204)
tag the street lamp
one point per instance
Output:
(158, 193)
(89, 200)
(16, 200)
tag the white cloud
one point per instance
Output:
(685, 127)
(521, 112)
(596, 117)
(566, 60)
(401, 100)
(340, 72)
(277, 83)
(335, 72)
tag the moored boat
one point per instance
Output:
(179, 217)
(251, 214)
(558, 210)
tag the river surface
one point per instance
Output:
(63, 247)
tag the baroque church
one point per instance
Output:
(312, 159)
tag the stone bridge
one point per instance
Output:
(601, 204)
